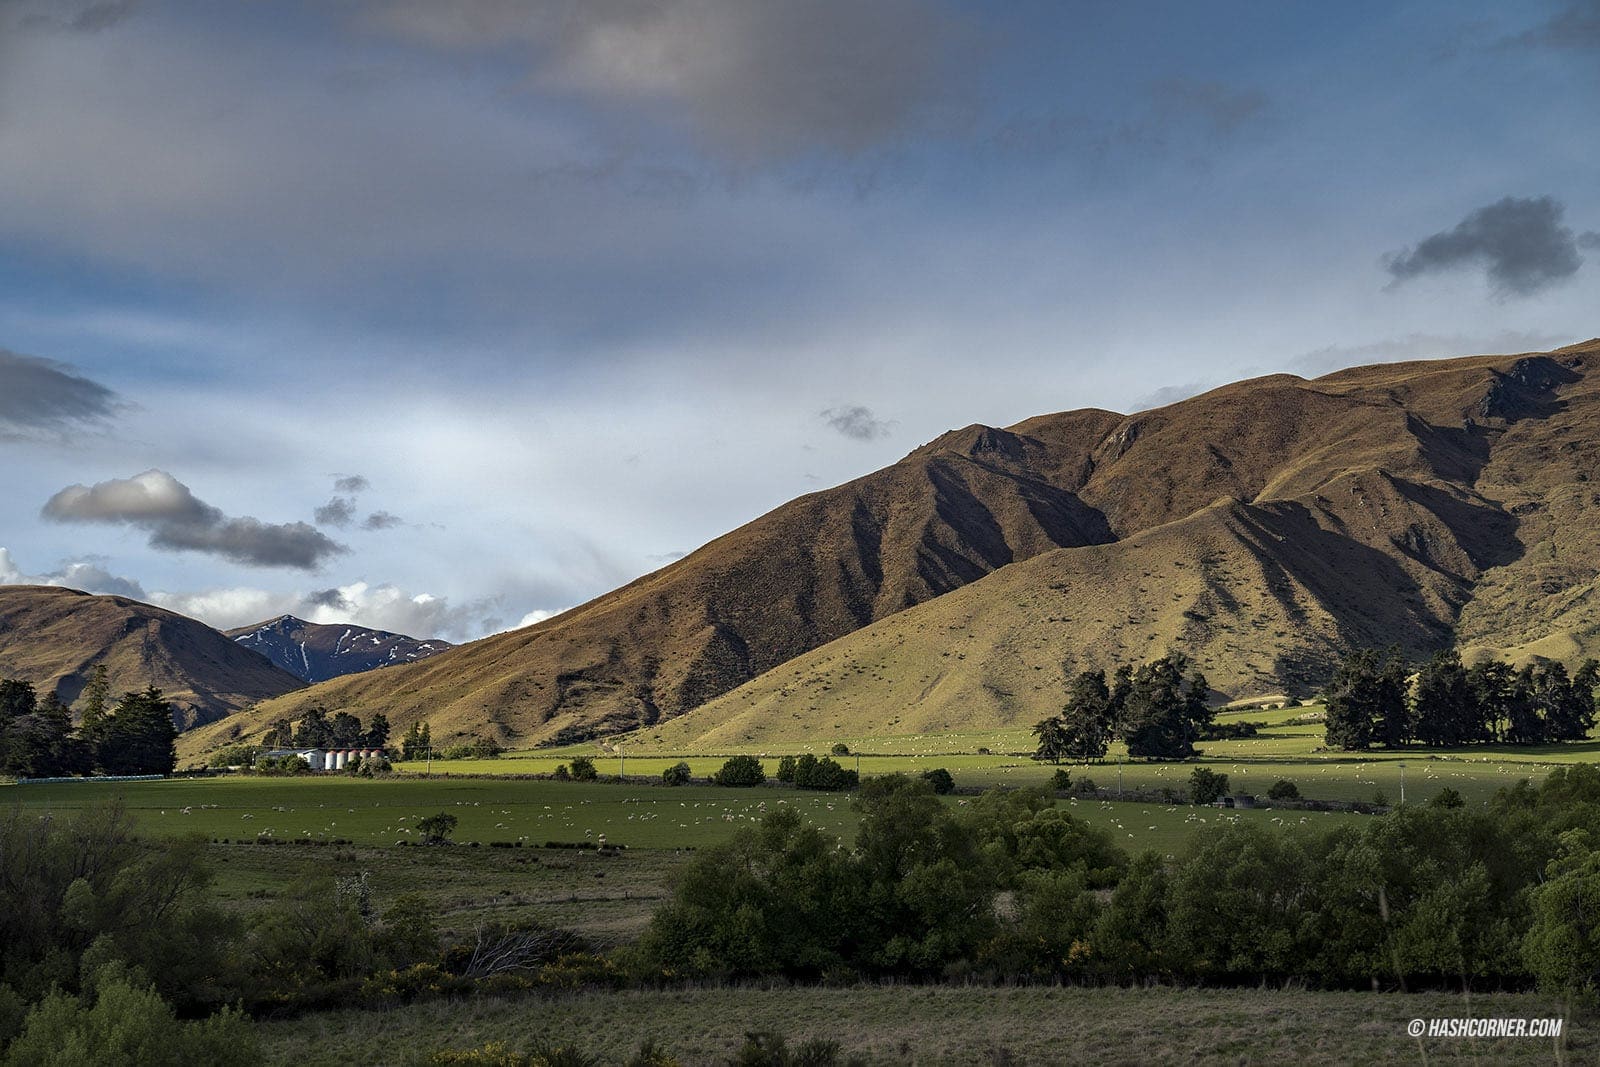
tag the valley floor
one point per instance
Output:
(950, 1025)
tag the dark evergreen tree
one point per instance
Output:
(377, 730)
(139, 737)
(1165, 709)
(280, 735)
(1445, 709)
(96, 701)
(314, 730)
(1366, 702)
(346, 730)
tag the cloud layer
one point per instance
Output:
(1521, 243)
(857, 422)
(39, 397)
(177, 520)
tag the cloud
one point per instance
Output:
(82, 16)
(1574, 27)
(757, 80)
(1171, 394)
(1520, 242)
(857, 422)
(381, 520)
(379, 607)
(42, 398)
(1589, 240)
(177, 520)
(90, 576)
(351, 483)
(336, 512)
(1223, 108)
(1423, 346)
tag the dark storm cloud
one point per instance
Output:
(381, 520)
(351, 483)
(857, 422)
(1521, 243)
(339, 511)
(42, 397)
(759, 80)
(328, 598)
(179, 521)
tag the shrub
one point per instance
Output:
(436, 829)
(583, 769)
(740, 770)
(1206, 786)
(785, 769)
(1447, 798)
(562, 774)
(767, 1049)
(940, 779)
(232, 756)
(281, 766)
(1283, 789)
(1061, 780)
(677, 774)
(1085, 787)
(840, 749)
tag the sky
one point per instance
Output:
(442, 317)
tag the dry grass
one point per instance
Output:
(948, 1025)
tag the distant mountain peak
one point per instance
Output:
(316, 652)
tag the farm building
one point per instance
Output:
(329, 759)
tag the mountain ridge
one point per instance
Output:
(1413, 471)
(316, 652)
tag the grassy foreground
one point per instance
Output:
(949, 1025)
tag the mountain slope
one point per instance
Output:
(1287, 517)
(55, 638)
(315, 652)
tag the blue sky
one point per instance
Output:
(574, 287)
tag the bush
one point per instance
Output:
(1085, 787)
(1447, 798)
(840, 749)
(785, 769)
(436, 829)
(583, 769)
(740, 770)
(562, 774)
(940, 779)
(1061, 780)
(281, 766)
(1283, 789)
(232, 756)
(1207, 786)
(677, 774)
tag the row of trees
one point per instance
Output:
(38, 738)
(320, 729)
(1012, 887)
(1158, 709)
(1374, 701)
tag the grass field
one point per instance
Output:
(948, 1025)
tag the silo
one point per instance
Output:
(336, 760)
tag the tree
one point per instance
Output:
(1083, 729)
(677, 774)
(96, 704)
(314, 730)
(786, 766)
(1207, 786)
(825, 773)
(583, 769)
(1283, 789)
(1562, 948)
(1366, 702)
(377, 730)
(1445, 710)
(1568, 703)
(417, 743)
(345, 730)
(139, 737)
(741, 770)
(1505, 702)
(941, 781)
(1165, 709)
(280, 735)
(436, 829)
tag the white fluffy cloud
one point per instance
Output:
(380, 607)
(90, 576)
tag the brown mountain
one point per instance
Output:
(55, 638)
(1262, 527)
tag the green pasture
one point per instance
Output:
(380, 813)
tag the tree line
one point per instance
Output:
(38, 739)
(1373, 700)
(318, 728)
(1014, 888)
(1158, 710)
